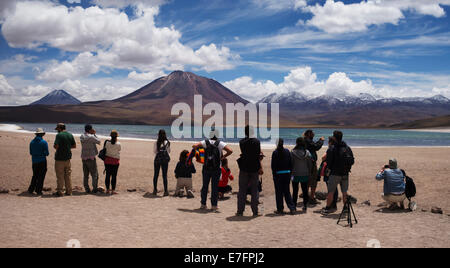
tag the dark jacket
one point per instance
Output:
(184, 171)
(334, 162)
(281, 161)
(250, 155)
(313, 147)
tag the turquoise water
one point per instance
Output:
(354, 137)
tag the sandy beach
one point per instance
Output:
(131, 220)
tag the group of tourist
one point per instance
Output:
(297, 167)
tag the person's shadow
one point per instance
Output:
(241, 218)
(198, 211)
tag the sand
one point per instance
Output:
(131, 220)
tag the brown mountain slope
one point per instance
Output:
(150, 105)
(436, 122)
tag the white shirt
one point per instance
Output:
(113, 150)
(222, 145)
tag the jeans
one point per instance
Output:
(90, 167)
(246, 180)
(295, 189)
(214, 178)
(282, 191)
(37, 181)
(165, 168)
(111, 176)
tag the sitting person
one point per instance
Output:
(394, 184)
(226, 176)
(183, 173)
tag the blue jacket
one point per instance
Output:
(39, 150)
(394, 180)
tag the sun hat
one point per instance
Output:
(60, 126)
(39, 131)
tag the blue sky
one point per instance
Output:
(98, 49)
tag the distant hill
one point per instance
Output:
(57, 97)
(436, 122)
(363, 110)
(149, 105)
(152, 104)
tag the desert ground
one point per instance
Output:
(133, 219)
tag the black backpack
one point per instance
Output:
(347, 158)
(162, 157)
(212, 156)
(410, 186)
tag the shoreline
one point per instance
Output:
(12, 128)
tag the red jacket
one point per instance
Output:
(226, 175)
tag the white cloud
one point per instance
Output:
(5, 88)
(6, 7)
(338, 17)
(149, 76)
(106, 37)
(280, 4)
(303, 80)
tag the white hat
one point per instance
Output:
(39, 131)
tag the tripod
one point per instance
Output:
(348, 209)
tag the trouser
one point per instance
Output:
(90, 167)
(111, 176)
(183, 183)
(394, 199)
(37, 181)
(295, 189)
(248, 180)
(165, 168)
(282, 184)
(335, 197)
(63, 171)
(313, 178)
(214, 178)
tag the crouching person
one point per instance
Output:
(183, 173)
(394, 185)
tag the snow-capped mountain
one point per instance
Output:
(57, 97)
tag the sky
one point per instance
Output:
(104, 49)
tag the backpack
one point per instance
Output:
(162, 157)
(410, 186)
(212, 156)
(347, 158)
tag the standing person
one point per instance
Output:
(313, 147)
(112, 162)
(89, 151)
(302, 165)
(64, 143)
(211, 169)
(183, 173)
(324, 172)
(282, 170)
(224, 187)
(39, 153)
(339, 161)
(249, 170)
(162, 159)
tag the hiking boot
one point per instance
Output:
(327, 211)
(292, 212)
(239, 214)
(58, 194)
(305, 209)
(313, 201)
(215, 209)
(203, 207)
(155, 192)
(166, 193)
